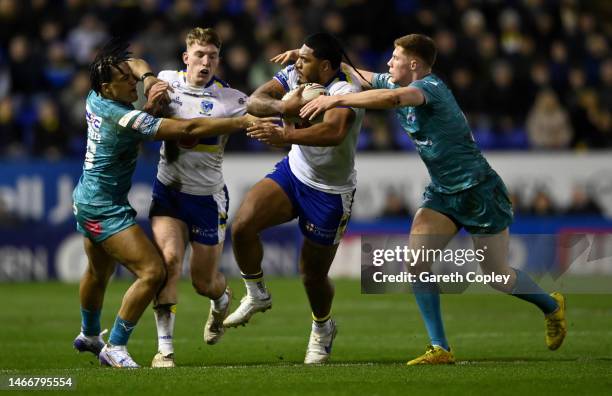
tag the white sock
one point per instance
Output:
(256, 289)
(324, 327)
(220, 303)
(164, 319)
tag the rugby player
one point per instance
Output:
(190, 200)
(315, 182)
(103, 213)
(465, 192)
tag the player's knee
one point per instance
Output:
(155, 274)
(173, 262)
(159, 277)
(92, 274)
(99, 277)
(203, 287)
(243, 229)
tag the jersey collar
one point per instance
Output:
(195, 87)
(339, 75)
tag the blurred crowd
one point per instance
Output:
(529, 74)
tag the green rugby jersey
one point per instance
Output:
(441, 135)
(114, 134)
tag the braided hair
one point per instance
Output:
(112, 53)
(326, 46)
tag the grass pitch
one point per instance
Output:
(498, 340)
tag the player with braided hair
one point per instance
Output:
(103, 213)
(315, 183)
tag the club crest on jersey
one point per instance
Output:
(411, 117)
(206, 107)
(177, 100)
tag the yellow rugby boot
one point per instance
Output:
(434, 355)
(556, 325)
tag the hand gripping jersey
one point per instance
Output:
(194, 165)
(114, 134)
(328, 169)
(441, 135)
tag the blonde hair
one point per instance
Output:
(203, 36)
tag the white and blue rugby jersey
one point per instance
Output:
(114, 134)
(328, 169)
(194, 165)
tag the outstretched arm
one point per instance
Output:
(266, 100)
(373, 99)
(172, 129)
(330, 132)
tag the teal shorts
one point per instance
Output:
(482, 209)
(101, 222)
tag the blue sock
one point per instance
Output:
(90, 322)
(121, 331)
(526, 289)
(427, 296)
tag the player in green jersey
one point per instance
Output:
(104, 215)
(464, 191)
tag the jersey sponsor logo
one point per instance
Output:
(94, 136)
(325, 233)
(206, 107)
(434, 83)
(426, 142)
(241, 101)
(123, 121)
(146, 124)
(204, 232)
(139, 121)
(93, 121)
(193, 94)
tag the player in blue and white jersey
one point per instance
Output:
(315, 183)
(190, 200)
(103, 213)
(465, 192)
